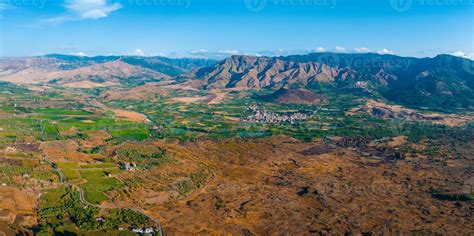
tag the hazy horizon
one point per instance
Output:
(219, 56)
(209, 28)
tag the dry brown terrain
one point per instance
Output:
(382, 109)
(296, 96)
(64, 150)
(130, 115)
(211, 98)
(147, 91)
(121, 114)
(95, 138)
(277, 185)
(80, 77)
(282, 186)
(18, 205)
(188, 99)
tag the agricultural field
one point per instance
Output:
(98, 183)
(60, 205)
(99, 164)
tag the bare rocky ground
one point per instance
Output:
(282, 186)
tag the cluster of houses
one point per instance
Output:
(139, 230)
(143, 230)
(260, 116)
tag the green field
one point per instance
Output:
(97, 184)
(67, 165)
(31, 120)
(99, 165)
(62, 213)
(71, 174)
(95, 177)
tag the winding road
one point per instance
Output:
(84, 202)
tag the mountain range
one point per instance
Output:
(83, 72)
(436, 83)
(440, 83)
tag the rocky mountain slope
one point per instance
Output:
(439, 82)
(248, 72)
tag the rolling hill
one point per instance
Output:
(295, 96)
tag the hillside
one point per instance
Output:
(104, 74)
(109, 73)
(295, 96)
(442, 82)
(146, 151)
(86, 72)
(168, 66)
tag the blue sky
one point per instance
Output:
(216, 28)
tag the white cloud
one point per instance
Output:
(463, 54)
(230, 52)
(362, 50)
(5, 6)
(319, 49)
(204, 53)
(138, 52)
(85, 10)
(385, 51)
(92, 9)
(252, 54)
(199, 51)
(80, 54)
(340, 49)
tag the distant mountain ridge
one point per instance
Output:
(79, 71)
(442, 81)
(168, 66)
